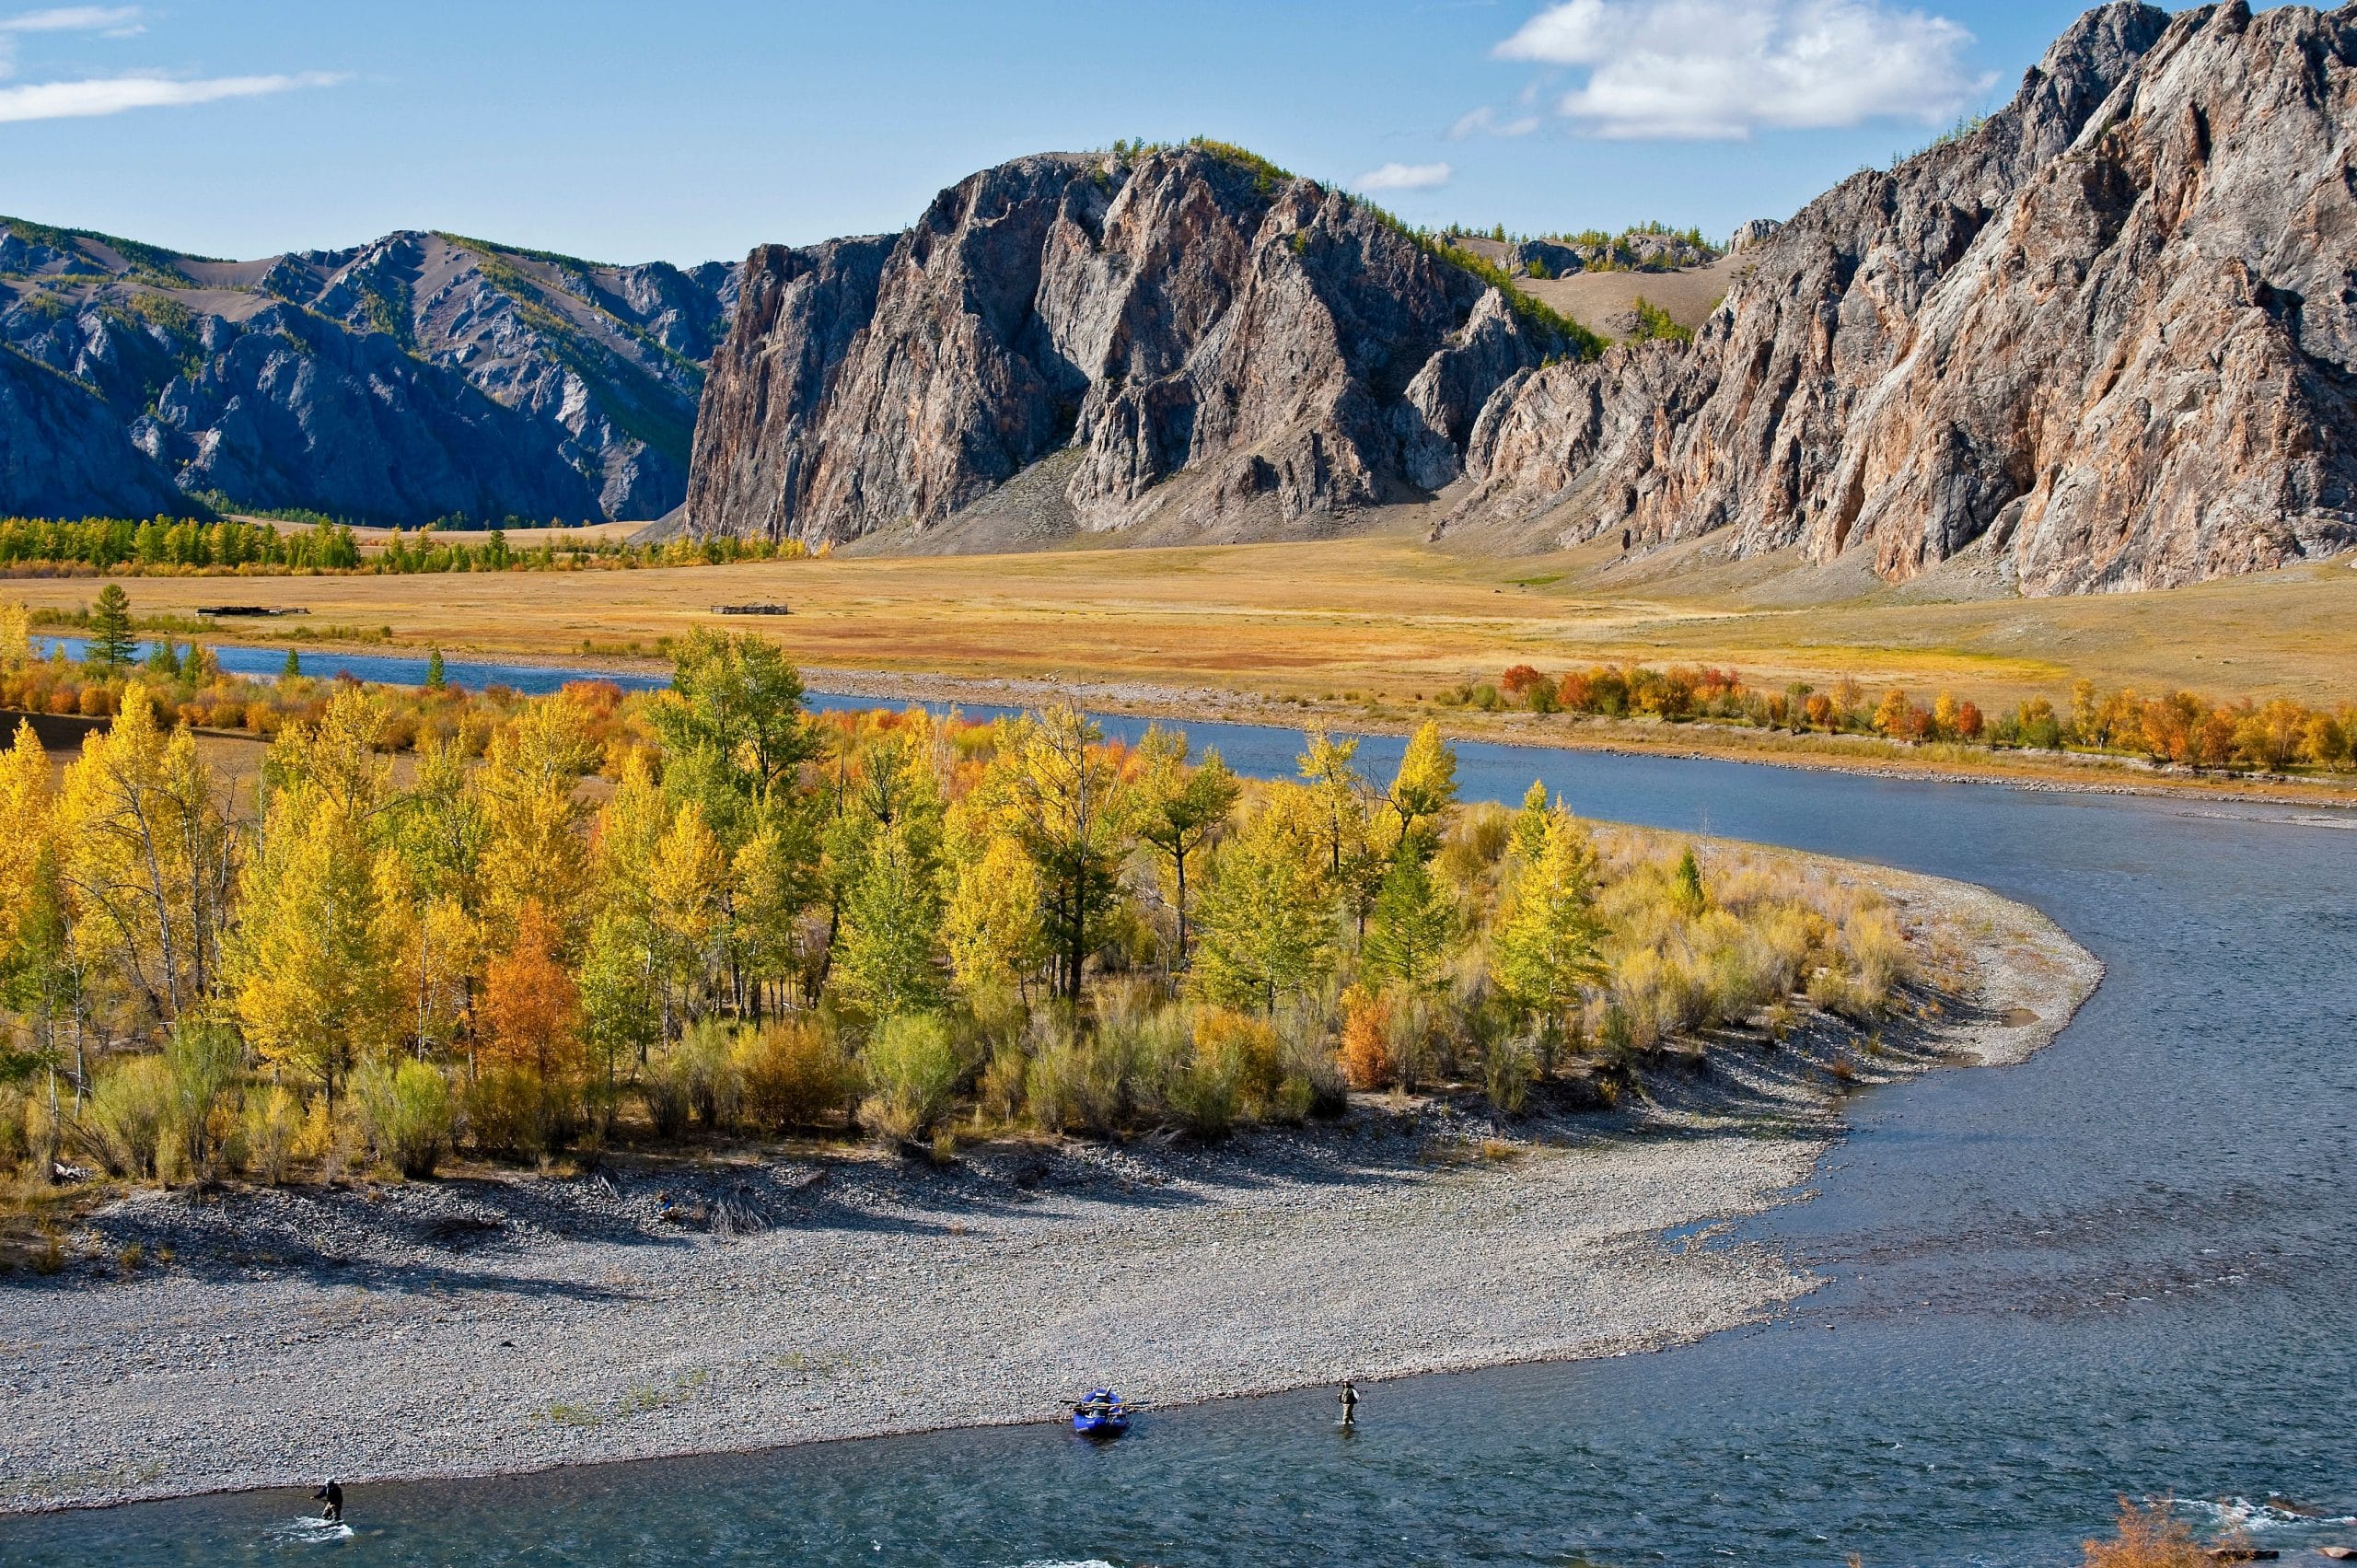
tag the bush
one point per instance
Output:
(272, 1122)
(203, 1060)
(1508, 1067)
(504, 1115)
(1367, 1038)
(794, 1073)
(404, 1114)
(1246, 1047)
(697, 1074)
(912, 1073)
(130, 1111)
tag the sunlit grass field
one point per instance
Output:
(1384, 617)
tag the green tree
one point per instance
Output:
(293, 669)
(112, 643)
(1183, 807)
(436, 679)
(1265, 927)
(892, 926)
(1689, 884)
(1414, 929)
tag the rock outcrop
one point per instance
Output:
(2107, 338)
(1221, 347)
(424, 376)
(62, 452)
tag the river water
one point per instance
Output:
(2127, 1267)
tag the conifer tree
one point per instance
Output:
(1413, 930)
(1549, 938)
(112, 643)
(1265, 927)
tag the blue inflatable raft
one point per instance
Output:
(1100, 1413)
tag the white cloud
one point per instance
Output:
(1724, 68)
(112, 95)
(115, 21)
(1404, 177)
(1485, 121)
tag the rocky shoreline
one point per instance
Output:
(502, 1322)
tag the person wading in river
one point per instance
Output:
(1350, 1402)
(332, 1495)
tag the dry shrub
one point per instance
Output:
(695, 1074)
(912, 1073)
(269, 1128)
(1366, 1037)
(793, 1072)
(503, 1114)
(2150, 1535)
(1247, 1049)
(404, 1114)
(129, 1112)
(16, 1132)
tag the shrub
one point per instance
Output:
(404, 1114)
(130, 1111)
(503, 1113)
(2150, 1535)
(795, 1073)
(699, 1070)
(1367, 1038)
(272, 1122)
(1508, 1067)
(912, 1072)
(1247, 1043)
(203, 1060)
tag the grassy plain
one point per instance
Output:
(1379, 618)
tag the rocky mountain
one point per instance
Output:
(1178, 342)
(2103, 340)
(424, 376)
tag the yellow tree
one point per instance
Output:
(1182, 808)
(685, 881)
(992, 927)
(15, 637)
(1424, 786)
(311, 971)
(534, 850)
(1265, 925)
(146, 858)
(1073, 811)
(1549, 939)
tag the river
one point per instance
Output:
(2127, 1267)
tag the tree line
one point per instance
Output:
(2180, 728)
(707, 911)
(184, 547)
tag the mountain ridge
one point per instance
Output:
(421, 376)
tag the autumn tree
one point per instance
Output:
(1549, 945)
(1265, 925)
(531, 1016)
(1182, 808)
(147, 859)
(1073, 812)
(1423, 788)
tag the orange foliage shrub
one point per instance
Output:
(1366, 1034)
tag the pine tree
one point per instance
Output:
(436, 679)
(293, 669)
(15, 637)
(112, 643)
(1689, 884)
(1530, 824)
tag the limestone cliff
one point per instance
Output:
(1223, 349)
(2106, 339)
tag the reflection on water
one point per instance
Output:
(2129, 1266)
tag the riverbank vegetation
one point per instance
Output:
(587, 919)
(2179, 729)
(182, 547)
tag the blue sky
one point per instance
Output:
(698, 128)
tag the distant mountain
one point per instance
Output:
(1179, 342)
(423, 376)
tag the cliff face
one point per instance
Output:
(2107, 338)
(62, 453)
(423, 376)
(1221, 348)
